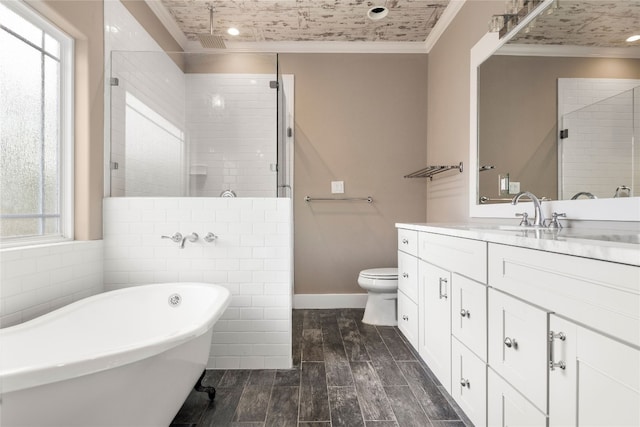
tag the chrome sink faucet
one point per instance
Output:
(538, 219)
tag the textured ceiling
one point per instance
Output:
(594, 23)
(308, 20)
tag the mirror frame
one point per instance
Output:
(620, 209)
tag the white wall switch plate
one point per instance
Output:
(337, 187)
(514, 187)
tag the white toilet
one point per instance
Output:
(382, 286)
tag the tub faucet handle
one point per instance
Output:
(176, 237)
(210, 237)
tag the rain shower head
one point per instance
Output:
(209, 41)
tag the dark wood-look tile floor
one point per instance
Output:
(346, 373)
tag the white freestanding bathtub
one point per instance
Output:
(123, 358)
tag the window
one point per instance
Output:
(36, 128)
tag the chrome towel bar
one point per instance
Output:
(430, 171)
(367, 199)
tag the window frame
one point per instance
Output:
(66, 140)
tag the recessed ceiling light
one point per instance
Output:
(233, 31)
(377, 12)
(634, 38)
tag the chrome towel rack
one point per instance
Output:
(367, 199)
(430, 171)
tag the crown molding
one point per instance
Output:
(313, 47)
(449, 13)
(169, 23)
(567, 51)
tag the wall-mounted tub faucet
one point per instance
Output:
(193, 237)
(538, 219)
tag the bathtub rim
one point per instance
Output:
(31, 376)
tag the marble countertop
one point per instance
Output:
(621, 246)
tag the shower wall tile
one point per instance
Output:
(252, 258)
(231, 123)
(38, 279)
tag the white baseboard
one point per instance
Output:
(329, 300)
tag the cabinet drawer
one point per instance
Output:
(408, 241)
(465, 256)
(599, 294)
(408, 275)
(518, 345)
(469, 383)
(408, 319)
(507, 407)
(469, 314)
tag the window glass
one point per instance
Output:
(32, 122)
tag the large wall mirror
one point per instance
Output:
(566, 64)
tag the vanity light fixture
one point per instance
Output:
(233, 31)
(515, 12)
(633, 38)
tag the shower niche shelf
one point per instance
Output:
(430, 171)
(198, 170)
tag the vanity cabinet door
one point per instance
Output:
(435, 320)
(469, 314)
(408, 318)
(408, 275)
(600, 382)
(518, 345)
(469, 383)
(506, 407)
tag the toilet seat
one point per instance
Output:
(380, 273)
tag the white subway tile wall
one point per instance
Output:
(598, 155)
(38, 279)
(227, 122)
(231, 126)
(252, 257)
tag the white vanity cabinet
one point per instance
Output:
(594, 379)
(507, 407)
(469, 382)
(520, 334)
(589, 311)
(518, 345)
(408, 285)
(452, 317)
(434, 313)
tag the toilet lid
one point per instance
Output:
(380, 273)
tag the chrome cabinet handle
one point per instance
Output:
(405, 275)
(511, 342)
(405, 317)
(560, 364)
(441, 282)
(405, 241)
(465, 383)
(465, 313)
